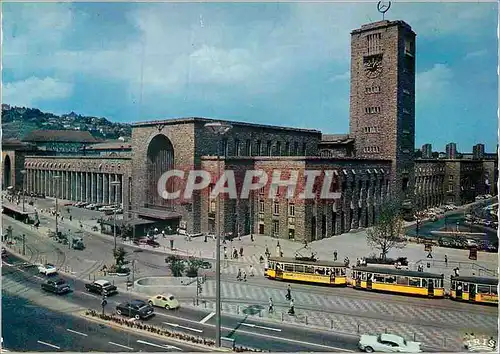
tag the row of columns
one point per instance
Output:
(92, 187)
(429, 191)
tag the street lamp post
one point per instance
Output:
(219, 129)
(56, 178)
(23, 172)
(115, 185)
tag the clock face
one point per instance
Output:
(373, 67)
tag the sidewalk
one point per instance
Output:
(352, 245)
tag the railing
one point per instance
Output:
(461, 265)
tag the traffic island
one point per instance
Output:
(132, 325)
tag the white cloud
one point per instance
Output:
(341, 77)
(433, 83)
(33, 90)
(476, 54)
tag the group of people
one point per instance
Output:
(234, 254)
(239, 277)
(288, 296)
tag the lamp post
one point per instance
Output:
(56, 178)
(23, 172)
(115, 185)
(218, 129)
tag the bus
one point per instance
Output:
(306, 271)
(398, 281)
(474, 289)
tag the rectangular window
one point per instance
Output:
(212, 206)
(450, 178)
(402, 280)
(262, 190)
(276, 207)
(276, 227)
(258, 148)
(236, 147)
(373, 45)
(278, 148)
(309, 269)
(291, 209)
(269, 147)
(288, 267)
(451, 187)
(295, 148)
(287, 148)
(372, 89)
(261, 206)
(225, 147)
(414, 282)
(372, 110)
(299, 268)
(248, 148)
(304, 149)
(483, 289)
(379, 278)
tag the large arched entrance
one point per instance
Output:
(160, 158)
(7, 172)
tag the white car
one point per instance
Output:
(47, 269)
(387, 343)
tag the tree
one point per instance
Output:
(388, 231)
(176, 265)
(120, 260)
(193, 265)
(125, 230)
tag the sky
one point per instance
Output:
(270, 63)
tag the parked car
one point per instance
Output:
(146, 241)
(169, 302)
(77, 243)
(56, 286)
(135, 308)
(47, 269)
(101, 287)
(90, 206)
(387, 343)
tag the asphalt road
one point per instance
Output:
(245, 332)
(29, 327)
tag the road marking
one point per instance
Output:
(331, 348)
(84, 293)
(179, 326)
(120, 345)
(76, 332)
(207, 317)
(48, 344)
(261, 327)
(158, 345)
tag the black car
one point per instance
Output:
(136, 308)
(58, 286)
(101, 287)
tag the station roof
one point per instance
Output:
(60, 136)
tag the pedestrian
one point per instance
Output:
(335, 255)
(244, 276)
(251, 270)
(292, 308)
(357, 261)
(288, 292)
(225, 252)
(446, 260)
(239, 236)
(251, 237)
(271, 305)
(241, 251)
(238, 277)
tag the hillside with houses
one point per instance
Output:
(18, 122)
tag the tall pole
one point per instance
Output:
(217, 264)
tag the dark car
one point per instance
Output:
(58, 286)
(146, 241)
(102, 287)
(136, 308)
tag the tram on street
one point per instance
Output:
(474, 289)
(398, 281)
(307, 271)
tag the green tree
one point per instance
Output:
(176, 265)
(193, 266)
(120, 260)
(389, 229)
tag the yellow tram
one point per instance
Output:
(398, 281)
(316, 272)
(474, 289)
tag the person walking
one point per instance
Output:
(292, 308)
(271, 305)
(446, 260)
(288, 292)
(241, 251)
(238, 277)
(335, 255)
(251, 270)
(244, 276)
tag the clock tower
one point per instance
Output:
(382, 101)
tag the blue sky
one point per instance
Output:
(274, 63)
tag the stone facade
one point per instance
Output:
(362, 184)
(86, 178)
(382, 103)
